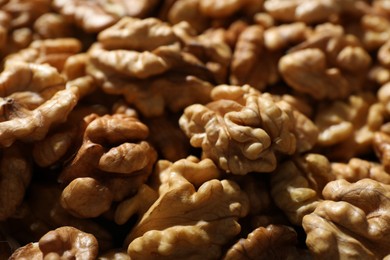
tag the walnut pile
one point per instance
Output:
(194, 129)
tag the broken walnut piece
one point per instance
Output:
(351, 222)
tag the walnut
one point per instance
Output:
(51, 26)
(242, 130)
(29, 251)
(345, 225)
(285, 35)
(251, 63)
(34, 98)
(271, 242)
(381, 145)
(183, 221)
(91, 16)
(15, 176)
(328, 65)
(309, 11)
(347, 127)
(137, 34)
(357, 169)
(112, 162)
(61, 142)
(216, 9)
(296, 185)
(75, 66)
(63, 242)
(54, 52)
(24, 13)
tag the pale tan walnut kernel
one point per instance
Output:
(193, 217)
(271, 242)
(242, 130)
(352, 222)
(296, 185)
(33, 98)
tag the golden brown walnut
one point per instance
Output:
(352, 222)
(27, 252)
(111, 164)
(357, 169)
(133, 63)
(218, 9)
(62, 243)
(183, 221)
(51, 26)
(15, 176)
(54, 52)
(296, 185)
(138, 204)
(68, 242)
(137, 34)
(347, 127)
(61, 142)
(271, 242)
(172, 92)
(34, 98)
(285, 35)
(75, 66)
(86, 197)
(252, 63)
(309, 11)
(185, 11)
(24, 13)
(210, 48)
(328, 65)
(91, 16)
(242, 130)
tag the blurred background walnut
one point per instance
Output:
(328, 65)
(345, 225)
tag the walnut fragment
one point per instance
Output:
(345, 225)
